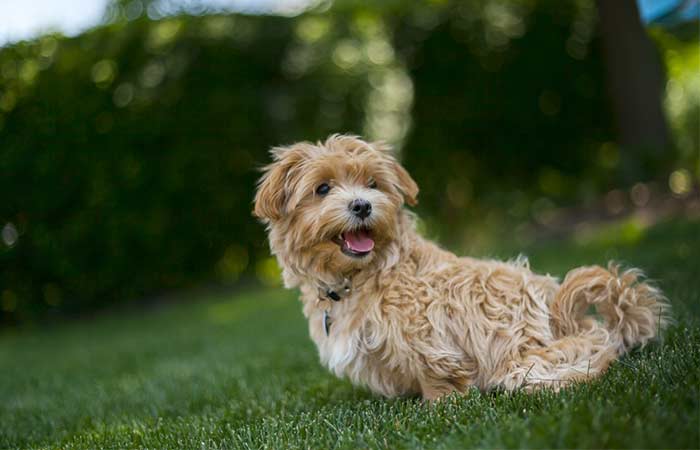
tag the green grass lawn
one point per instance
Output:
(239, 371)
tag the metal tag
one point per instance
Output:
(326, 322)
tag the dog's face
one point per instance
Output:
(332, 206)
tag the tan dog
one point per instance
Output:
(394, 312)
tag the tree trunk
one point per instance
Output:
(635, 81)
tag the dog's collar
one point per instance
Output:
(336, 292)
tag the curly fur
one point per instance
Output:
(418, 319)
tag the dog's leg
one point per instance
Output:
(432, 390)
(634, 311)
(571, 358)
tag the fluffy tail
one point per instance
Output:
(633, 311)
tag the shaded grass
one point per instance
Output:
(240, 372)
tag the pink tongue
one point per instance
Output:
(358, 241)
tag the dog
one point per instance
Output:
(394, 312)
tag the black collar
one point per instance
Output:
(335, 293)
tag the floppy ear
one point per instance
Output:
(272, 193)
(404, 182)
(406, 185)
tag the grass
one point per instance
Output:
(239, 371)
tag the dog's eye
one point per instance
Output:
(372, 184)
(323, 189)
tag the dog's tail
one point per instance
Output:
(633, 311)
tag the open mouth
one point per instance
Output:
(356, 243)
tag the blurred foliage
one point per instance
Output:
(510, 106)
(129, 153)
(681, 54)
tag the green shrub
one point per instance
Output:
(129, 154)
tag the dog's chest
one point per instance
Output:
(357, 346)
(336, 330)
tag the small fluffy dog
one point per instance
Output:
(396, 313)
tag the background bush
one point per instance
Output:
(129, 153)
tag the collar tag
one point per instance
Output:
(326, 322)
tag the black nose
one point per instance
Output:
(361, 208)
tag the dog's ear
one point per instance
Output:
(404, 182)
(273, 190)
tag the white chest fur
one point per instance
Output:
(339, 348)
(354, 345)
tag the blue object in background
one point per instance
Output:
(668, 12)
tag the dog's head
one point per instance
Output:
(332, 206)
